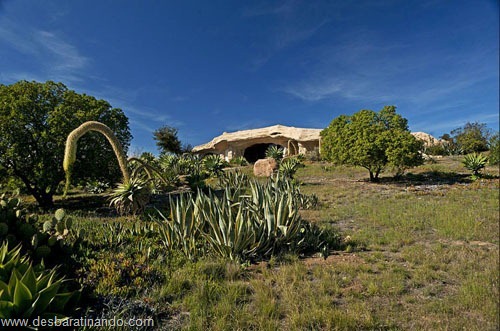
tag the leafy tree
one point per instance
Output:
(35, 119)
(371, 140)
(472, 137)
(495, 149)
(167, 140)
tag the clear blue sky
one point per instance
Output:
(211, 66)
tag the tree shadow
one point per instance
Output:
(429, 178)
(98, 203)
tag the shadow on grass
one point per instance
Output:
(94, 202)
(434, 178)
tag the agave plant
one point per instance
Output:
(289, 166)
(239, 161)
(182, 228)
(26, 291)
(233, 179)
(214, 165)
(130, 197)
(232, 228)
(475, 162)
(275, 153)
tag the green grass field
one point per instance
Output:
(420, 253)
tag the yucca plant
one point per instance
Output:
(130, 197)
(26, 291)
(475, 162)
(275, 153)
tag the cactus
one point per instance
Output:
(72, 143)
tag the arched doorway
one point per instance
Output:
(256, 152)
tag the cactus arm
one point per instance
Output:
(72, 144)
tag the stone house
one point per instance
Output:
(252, 144)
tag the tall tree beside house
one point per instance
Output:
(167, 140)
(371, 140)
(36, 118)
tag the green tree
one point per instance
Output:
(472, 137)
(371, 140)
(167, 140)
(494, 145)
(35, 119)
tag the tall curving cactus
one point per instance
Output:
(72, 144)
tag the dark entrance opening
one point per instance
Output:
(256, 152)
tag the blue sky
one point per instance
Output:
(211, 66)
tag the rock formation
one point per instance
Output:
(265, 167)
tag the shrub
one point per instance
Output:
(475, 162)
(96, 186)
(472, 137)
(435, 149)
(371, 140)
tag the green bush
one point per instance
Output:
(96, 186)
(435, 149)
(372, 140)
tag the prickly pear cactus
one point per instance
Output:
(50, 241)
(16, 225)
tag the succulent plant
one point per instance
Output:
(26, 291)
(130, 197)
(275, 152)
(214, 165)
(475, 162)
(289, 166)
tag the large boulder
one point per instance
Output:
(428, 139)
(265, 167)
